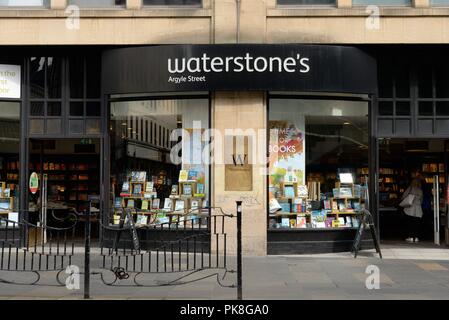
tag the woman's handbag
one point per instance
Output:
(407, 201)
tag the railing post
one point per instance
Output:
(87, 255)
(239, 250)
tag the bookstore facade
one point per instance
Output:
(293, 131)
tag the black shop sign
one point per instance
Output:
(266, 67)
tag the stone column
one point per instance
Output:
(242, 110)
(134, 4)
(58, 4)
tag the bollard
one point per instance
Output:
(239, 250)
(87, 256)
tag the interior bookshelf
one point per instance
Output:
(71, 179)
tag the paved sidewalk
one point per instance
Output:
(406, 272)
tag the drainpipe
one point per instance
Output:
(238, 6)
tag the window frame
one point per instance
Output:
(46, 6)
(98, 7)
(173, 6)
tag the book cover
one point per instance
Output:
(195, 204)
(335, 223)
(167, 204)
(149, 187)
(285, 206)
(117, 202)
(285, 223)
(144, 205)
(303, 191)
(292, 223)
(199, 190)
(137, 189)
(187, 189)
(341, 221)
(116, 219)
(138, 176)
(130, 203)
(156, 203)
(274, 205)
(125, 187)
(328, 222)
(192, 175)
(289, 192)
(141, 219)
(174, 190)
(301, 222)
(179, 205)
(183, 175)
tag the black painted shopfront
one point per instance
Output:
(98, 113)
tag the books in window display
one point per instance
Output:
(125, 190)
(141, 220)
(318, 218)
(301, 222)
(285, 207)
(285, 222)
(289, 191)
(138, 176)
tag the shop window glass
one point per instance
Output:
(306, 2)
(402, 108)
(24, 3)
(93, 126)
(76, 109)
(155, 172)
(425, 82)
(37, 109)
(9, 161)
(37, 77)
(318, 162)
(76, 73)
(36, 126)
(385, 81)
(54, 77)
(402, 81)
(442, 81)
(93, 109)
(439, 3)
(442, 108)
(385, 108)
(93, 70)
(172, 2)
(54, 109)
(97, 3)
(53, 126)
(76, 126)
(382, 2)
(425, 108)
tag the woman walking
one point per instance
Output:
(412, 204)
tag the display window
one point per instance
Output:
(9, 161)
(159, 173)
(318, 162)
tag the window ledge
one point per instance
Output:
(107, 13)
(354, 12)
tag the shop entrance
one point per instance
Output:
(400, 162)
(69, 176)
